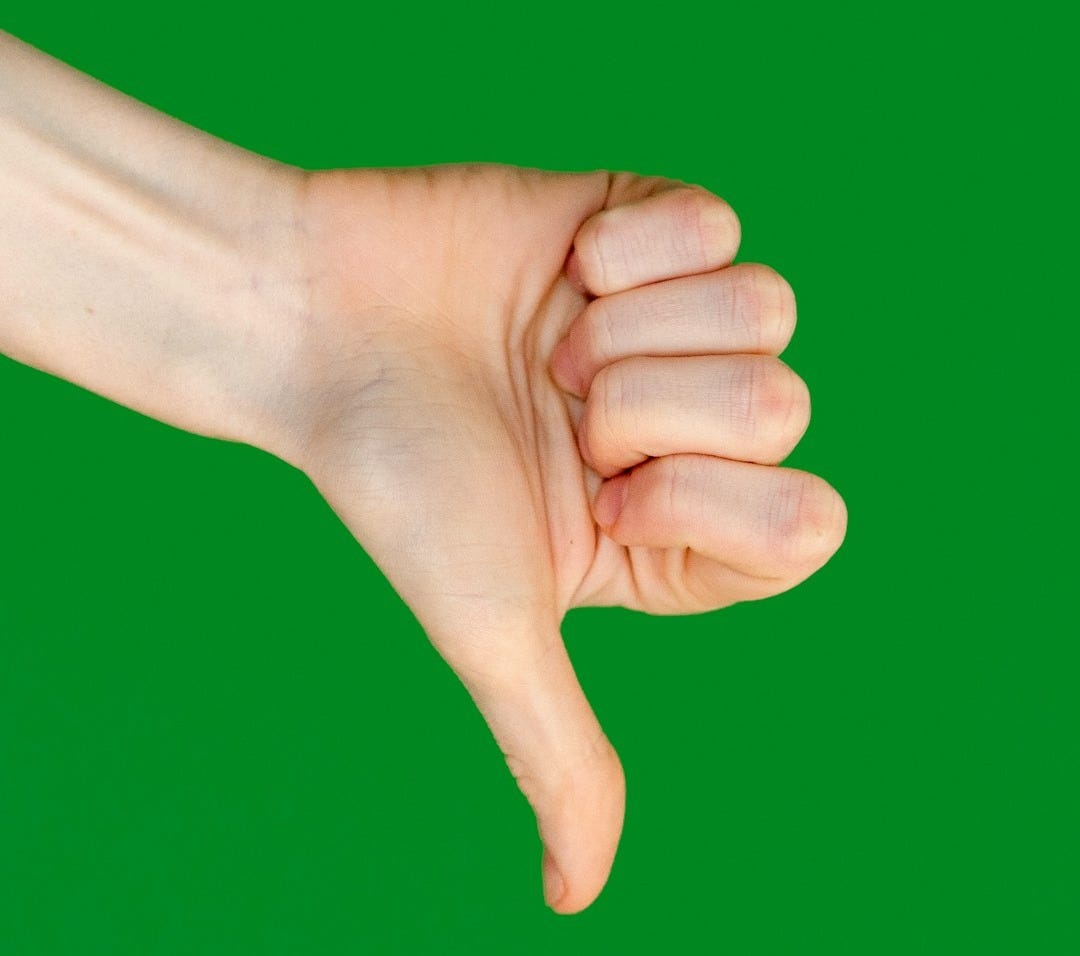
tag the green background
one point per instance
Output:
(222, 732)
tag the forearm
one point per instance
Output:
(144, 259)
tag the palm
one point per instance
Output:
(455, 460)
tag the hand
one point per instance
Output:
(527, 392)
(509, 430)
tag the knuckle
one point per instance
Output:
(743, 305)
(783, 315)
(610, 399)
(715, 223)
(530, 783)
(597, 339)
(796, 414)
(764, 304)
(806, 520)
(778, 401)
(595, 244)
(675, 494)
(743, 398)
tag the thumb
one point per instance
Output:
(563, 763)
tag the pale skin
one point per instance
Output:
(522, 391)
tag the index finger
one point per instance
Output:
(679, 231)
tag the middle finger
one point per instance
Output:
(742, 407)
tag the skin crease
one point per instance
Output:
(442, 438)
(522, 391)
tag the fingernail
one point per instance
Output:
(563, 367)
(610, 499)
(553, 881)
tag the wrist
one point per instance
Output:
(263, 384)
(336, 327)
